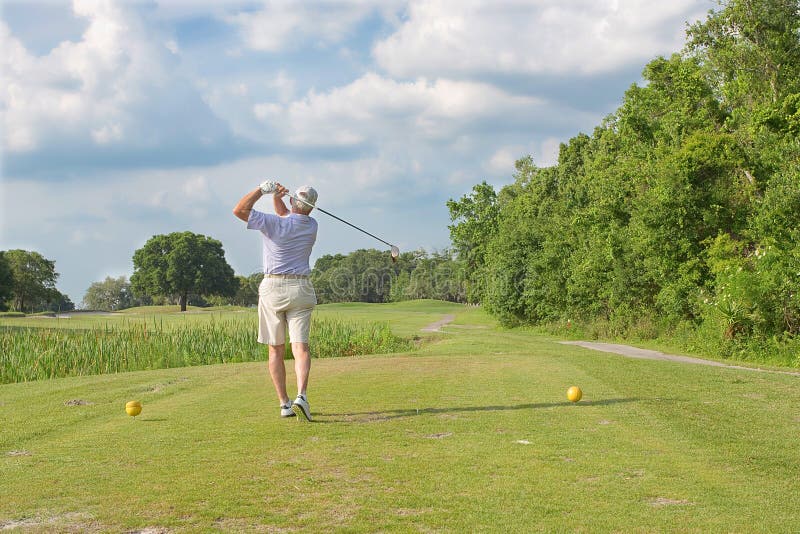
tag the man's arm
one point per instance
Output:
(277, 200)
(245, 205)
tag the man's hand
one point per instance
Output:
(269, 186)
(280, 191)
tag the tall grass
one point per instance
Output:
(39, 353)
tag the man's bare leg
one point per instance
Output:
(277, 370)
(302, 366)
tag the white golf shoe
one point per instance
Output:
(301, 407)
(286, 409)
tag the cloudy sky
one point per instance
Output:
(122, 120)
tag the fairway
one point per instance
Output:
(471, 432)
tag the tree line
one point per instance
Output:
(361, 276)
(168, 269)
(681, 208)
(185, 268)
(369, 275)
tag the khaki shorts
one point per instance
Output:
(285, 302)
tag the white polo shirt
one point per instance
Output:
(287, 241)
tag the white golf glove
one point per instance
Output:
(268, 186)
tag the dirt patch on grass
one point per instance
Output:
(149, 530)
(155, 388)
(68, 522)
(410, 512)
(225, 524)
(659, 502)
(633, 474)
(440, 435)
(437, 326)
(18, 453)
(77, 402)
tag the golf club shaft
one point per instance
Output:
(329, 214)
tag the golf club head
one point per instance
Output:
(395, 253)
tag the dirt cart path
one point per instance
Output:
(645, 354)
(437, 326)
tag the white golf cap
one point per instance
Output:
(307, 193)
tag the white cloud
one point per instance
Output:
(78, 87)
(279, 24)
(547, 153)
(81, 236)
(503, 160)
(284, 85)
(196, 188)
(376, 109)
(114, 88)
(468, 37)
(107, 133)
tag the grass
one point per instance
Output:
(405, 318)
(471, 432)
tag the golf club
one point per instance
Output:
(394, 249)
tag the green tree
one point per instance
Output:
(685, 198)
(362, 276)
(55, 301)
(323, 277)
(34, 278)
(247, 293)
(111, 294)
(751, 49)
(474, 218)
(6, 282)
(400, 285)
(437, 275)
(181, 264)
(370, 276)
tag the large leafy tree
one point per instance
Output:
(182, 264)
(34, 279)
(111, 294)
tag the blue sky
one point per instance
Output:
(123, 120)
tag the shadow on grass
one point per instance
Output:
(362, 417)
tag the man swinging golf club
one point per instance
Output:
(285, 296)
